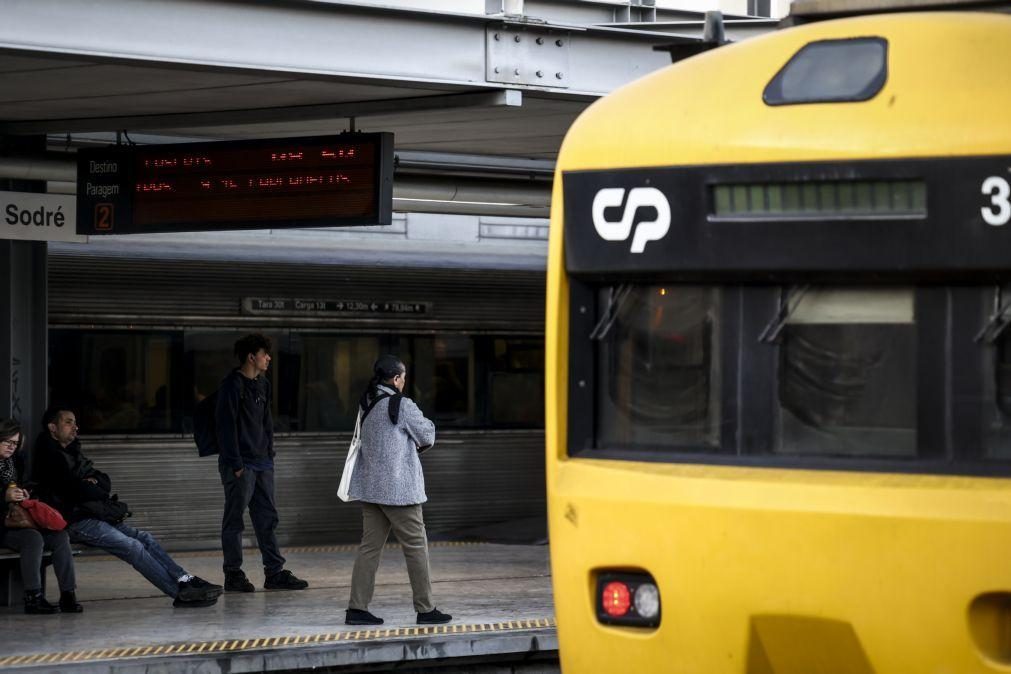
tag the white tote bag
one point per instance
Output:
(343, 490)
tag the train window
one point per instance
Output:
(658, 368)
(847, 374)
(333, 372)
(516, 382)
(208, 358)
(994, 341)
(441, 377)
(119, 381)
(831, 71)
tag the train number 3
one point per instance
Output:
(999, 191)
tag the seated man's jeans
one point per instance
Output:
(134, 546)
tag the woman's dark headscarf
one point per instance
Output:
(385, 369)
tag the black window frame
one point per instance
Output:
(949, 384)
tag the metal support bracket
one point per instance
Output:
(527, 54)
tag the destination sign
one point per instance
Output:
(285, 306)
(323, 181)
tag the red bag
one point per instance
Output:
(44, 515)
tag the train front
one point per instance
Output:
(779, 374)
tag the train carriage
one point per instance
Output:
(139, 333)
(778, 418)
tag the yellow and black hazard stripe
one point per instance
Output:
(237, 645)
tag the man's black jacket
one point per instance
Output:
(61, 475)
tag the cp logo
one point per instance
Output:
(638, 197)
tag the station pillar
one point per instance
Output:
(24, 326)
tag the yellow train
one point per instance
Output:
(778, 375)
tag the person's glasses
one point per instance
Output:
(9, 443)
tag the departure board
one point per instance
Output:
(323, 181)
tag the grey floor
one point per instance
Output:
(476, 583)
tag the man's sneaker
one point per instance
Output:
(189, 591)
(284, 580)
(196, 603)
(433, 617)
(236, 581)
(210, 589)
(356, 616)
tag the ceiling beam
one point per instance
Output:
(334, 41)
(337, 112)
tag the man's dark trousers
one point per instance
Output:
(254, 489)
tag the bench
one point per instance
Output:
(12, 589)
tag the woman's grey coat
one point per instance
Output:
(388, 470)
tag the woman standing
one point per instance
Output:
(388, 480)
(31, 542)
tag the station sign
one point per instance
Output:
(322, 181)
(287, 306)
(31, 216)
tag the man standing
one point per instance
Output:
(245, 433)
(69, 482)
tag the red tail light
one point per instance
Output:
(616, 599)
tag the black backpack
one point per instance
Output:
(204, 428)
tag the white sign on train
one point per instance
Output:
(39, 217)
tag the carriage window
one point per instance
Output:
(208, 359)
(119, 381)
(440, 377)
(658, 368)
(516, 382)
(333, 372)
(847, 374)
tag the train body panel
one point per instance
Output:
(866, 567)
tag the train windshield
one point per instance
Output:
(847, 374)
(826, 371)
(659, 366)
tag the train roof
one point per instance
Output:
(945, 91)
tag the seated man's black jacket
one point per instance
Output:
(61, 473)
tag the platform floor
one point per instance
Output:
(499, 596)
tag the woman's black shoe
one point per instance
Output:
(356, 616)
(68, 602)
(36, 604)
(433, 617)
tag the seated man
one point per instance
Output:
(69, 482)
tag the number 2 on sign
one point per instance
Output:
(999, 191)
(103, 217)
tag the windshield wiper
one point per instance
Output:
(998, 320)
(789, 299)
(617, 297)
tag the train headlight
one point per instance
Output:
(647, 601)
(627, 598)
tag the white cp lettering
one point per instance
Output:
(638, 197)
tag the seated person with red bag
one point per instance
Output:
(31, 541)
(69, 481)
